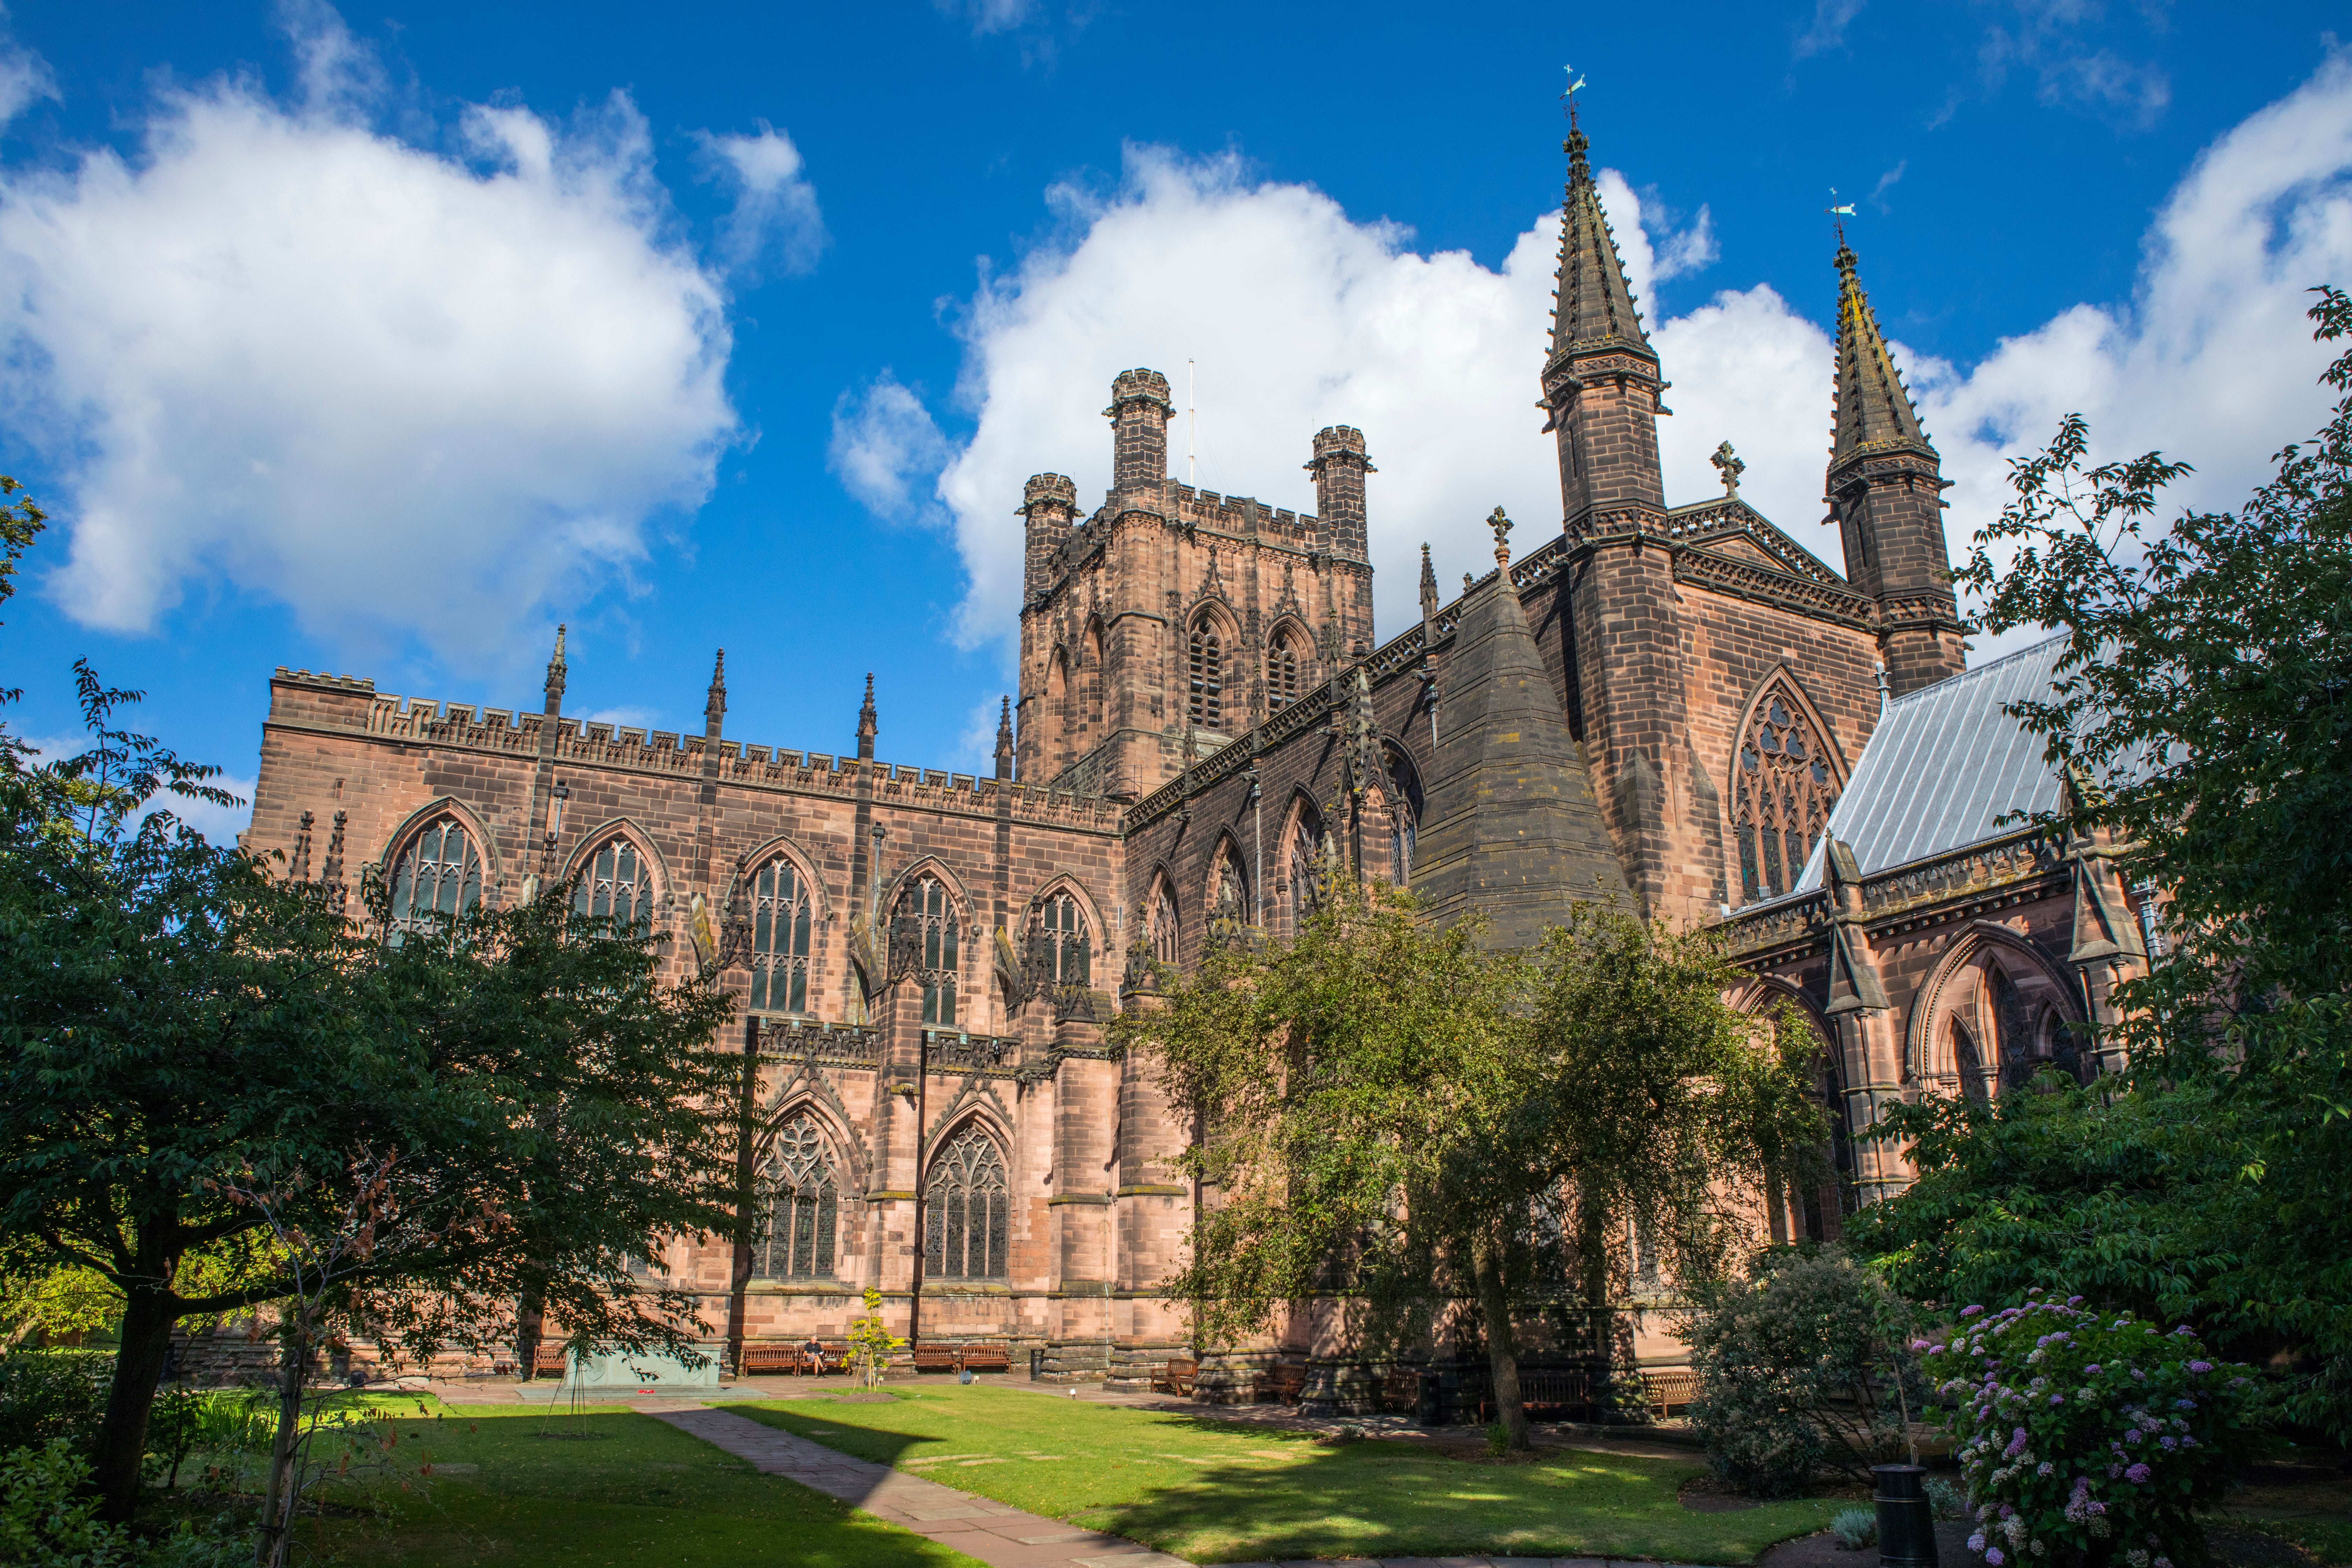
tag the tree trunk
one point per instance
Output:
(531, 1328)
(1592, 1281)
(147, 1318)
(747, 1196)
(1502, 1348)
(277, 1502)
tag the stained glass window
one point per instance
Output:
(779, 939)
(964, 1207)
(1163, 923)
(438, 878)
(1305, 869)
(1783, 787)
(619, 887)
(1064, 944)
(805, 1207)
(1208, 694)
(927, 934)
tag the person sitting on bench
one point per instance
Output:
(816, 1355)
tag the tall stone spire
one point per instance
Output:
(1592, 304)
(866, 725)
(1004, 742)
(1601, 379)
(1874, 410)
(1883, 487)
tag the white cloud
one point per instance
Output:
(220, 824)
(1301, 317)
(25, 77)
(986, 17)
(1830, 19)
(404, 393)
(775, 221)
(886, 448)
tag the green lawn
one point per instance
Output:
(1217, 1492)
(636, 1491)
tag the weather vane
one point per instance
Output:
(1836, 211)
(1569, 97)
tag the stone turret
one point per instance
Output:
(1139, 414)
(1339, 466)
(1049, 503)
(1885, 483)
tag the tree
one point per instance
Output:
(2204, 700)
(21, 521)
(180, 1029)
(1402, 1115)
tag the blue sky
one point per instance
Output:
(380, 340)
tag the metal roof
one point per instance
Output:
(1944, 765)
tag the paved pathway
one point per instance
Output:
(999, 1536)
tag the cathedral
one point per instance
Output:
(1677, 709)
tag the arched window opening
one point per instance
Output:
(1062, 954)
(1282, 673)
(964, 1217)
(1404, 800)
(1782, 789)
(2012, 1029)
(1207, 708)
(804, 1206)
(1304, 867)
(619, 886)
(1968, 1062)
(1229, 898)
(438, 878)
(925, 939)
(779, 939)
(1093, 672)
(1057, 693)
(1163, 923)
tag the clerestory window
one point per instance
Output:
(779, 939)
(925, 939)
(437, 878)
(619, 886)
(1063, 949)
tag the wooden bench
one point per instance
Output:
(986, 1358)
(1670, 1390)
(1178, 1377)
(770, 1358)
(1546, 1395)
(549, 1358)
(935, 1358)
(1401, 1389)
(1281, 1385)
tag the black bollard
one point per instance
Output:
(1906, 1521)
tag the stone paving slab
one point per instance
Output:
(978, 1527)
(1472, 1562)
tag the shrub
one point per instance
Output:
(1798, 1367)
(48, 1394)
(1949, 1500)
(1854, 1528)
(2087, 1436)
(43, 1522)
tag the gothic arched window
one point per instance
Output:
(1783, 787)
(1282, 664)
(1404, 799)
(1063, 954)
(1305, 869)
(1163, 922)
(438, 878)
(1208, 686)
(619, 886)
(926, 937)
(1969, 1063)
(805, 1207)
(779, 939)
(2015, 1037)
(964, 1207)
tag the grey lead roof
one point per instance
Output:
(1944, 765)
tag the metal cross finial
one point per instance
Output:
(1502, 527)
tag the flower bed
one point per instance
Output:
(2086, 1436)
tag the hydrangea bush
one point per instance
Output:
(2086, 1436)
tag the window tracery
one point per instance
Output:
(1404, 798)
(1164, 926)
(1783, 788)
(1063, 956)
(1282, 677)
(1207, 703)
(965, 1210)
(926, 937)
(619, 886)
(804, 1205)
(438, 878)
(780, 921)
(1305, 869)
